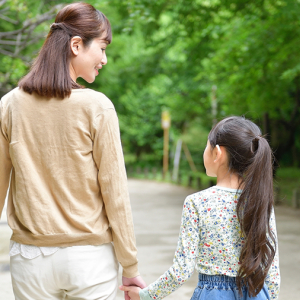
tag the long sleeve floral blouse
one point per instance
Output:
(209, 241)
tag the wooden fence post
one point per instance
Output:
(130, 170)
(198, 182)
(296, 198)
(277, 199)
(146, 172)
(154, 171)
(179, 178)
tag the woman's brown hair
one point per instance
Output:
(251, 158)
(49, 75)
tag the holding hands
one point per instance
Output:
(132, 286)
(133, 292)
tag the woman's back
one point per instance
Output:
(55, 147)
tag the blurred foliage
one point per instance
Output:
(287, 181)
(169, 54)
(24, 21)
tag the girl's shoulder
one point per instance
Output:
(213, 194)
(214, 190)
(201, 196)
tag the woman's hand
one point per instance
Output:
(135, 281)
(133, 291)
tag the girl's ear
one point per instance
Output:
(75, 44)
(218, 153)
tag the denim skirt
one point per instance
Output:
(221, 287)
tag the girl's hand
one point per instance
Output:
(133, 291)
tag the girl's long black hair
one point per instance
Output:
(251, 158)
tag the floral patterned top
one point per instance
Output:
(210, 241)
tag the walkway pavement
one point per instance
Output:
(157, 215)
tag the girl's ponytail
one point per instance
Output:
(250, 157)
(254, 211)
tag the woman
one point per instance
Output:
(68, 197)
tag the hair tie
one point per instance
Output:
(55, 26)
(62, 26)
(254, 143)
(256, 139)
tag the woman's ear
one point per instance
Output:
(75, 44)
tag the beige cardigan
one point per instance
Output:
(68, 181)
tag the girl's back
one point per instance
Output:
(220, 240)
(209, 241)
(228, 231)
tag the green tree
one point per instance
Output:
(248, 49)
(22, 28)
(169, 53)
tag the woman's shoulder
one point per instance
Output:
(11, 94)
(92, 98)
(12, 97)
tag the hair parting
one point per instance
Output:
(49, 75)
(251, 158)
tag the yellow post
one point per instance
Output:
(165, 124)
(166, 152)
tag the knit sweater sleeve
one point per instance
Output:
(108, 156)
(184, 259)
(5, 161)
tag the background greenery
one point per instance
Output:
(168, 54)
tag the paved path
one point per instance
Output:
(157, 213)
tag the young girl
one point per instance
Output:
(228, 231)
